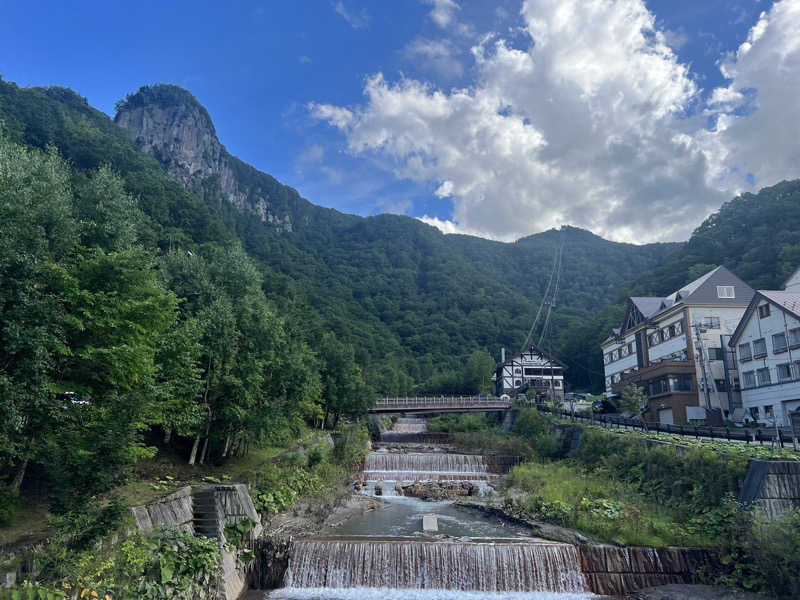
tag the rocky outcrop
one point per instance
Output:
(170, 124)
(773, 487)
(615, 571)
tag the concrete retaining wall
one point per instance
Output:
(615, 571)
(172, 510)
(772, 486)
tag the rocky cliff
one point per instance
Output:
(169, 123)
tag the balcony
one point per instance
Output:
(654, 371)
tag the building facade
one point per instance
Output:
(675, 348)
(767, 346)
(533, 373)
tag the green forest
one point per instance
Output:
(137, 316)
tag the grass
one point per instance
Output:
(31, 523)
(600, 507)
(751, 450)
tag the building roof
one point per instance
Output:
(647, 305)
(546, 359)
(789, 301)
(786, 301)
(702, 290)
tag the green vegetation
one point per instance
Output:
(170, 564)
(620, 488)
(609, 510)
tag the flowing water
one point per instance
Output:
(385, 555)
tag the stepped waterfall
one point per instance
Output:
(487, 567)
(388, 555)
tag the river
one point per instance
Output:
(462, 554)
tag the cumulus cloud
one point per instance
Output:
(435, 55)
(590, 119)
(356, 20)
(443, 12)
(755, 140)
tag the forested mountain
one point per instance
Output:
(413, 301)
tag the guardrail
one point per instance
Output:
(431, 402)
(777, 436)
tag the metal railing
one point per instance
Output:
(781, 436)
(431, 402)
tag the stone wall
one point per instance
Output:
(172, 510)
(616, 571)
(772, 486)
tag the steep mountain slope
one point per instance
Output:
(424, 298)
(412, 301)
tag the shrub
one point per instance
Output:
(9, 504)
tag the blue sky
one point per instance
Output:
(293, 89)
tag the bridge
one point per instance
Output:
(439, 404)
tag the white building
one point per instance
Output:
(767, 344)
(533, 373)
(673, 347)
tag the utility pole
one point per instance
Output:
(699, 329)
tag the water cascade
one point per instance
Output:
(488, 567)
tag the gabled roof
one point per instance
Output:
(702, 290)
(647, 305)
(533, 349)
(788, 302)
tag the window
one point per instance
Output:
(615, 355)
(665, 334)
(617, 377)
(754, 412)
(796, 369)
(749, 379)
(630, 345)
(763, 376)
(715, 354)
(779, 342)
(517, 371)
(623, 351)
(744, 352)
(759, 348)
(763, 311)
(607, 358)
(608, 382)
(711, 322)
(529, 371)
(557, 383)
(721, 385)
(679, 328)
(655, 338)
(794, 337)
(725, 291)
(768, 411)
(517, 383)
(784, 372)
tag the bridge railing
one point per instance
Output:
(401, 402)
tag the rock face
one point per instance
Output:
(169, 123)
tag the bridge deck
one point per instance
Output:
(431, 404)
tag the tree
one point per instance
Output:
(633, 400)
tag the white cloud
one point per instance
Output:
(356, 20)
(443, 12)
(587, 121)
(758, 113)
(435, 55)
(335, 115)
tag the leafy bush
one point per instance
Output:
(9, 504)
(696, 479)
(775, 548)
